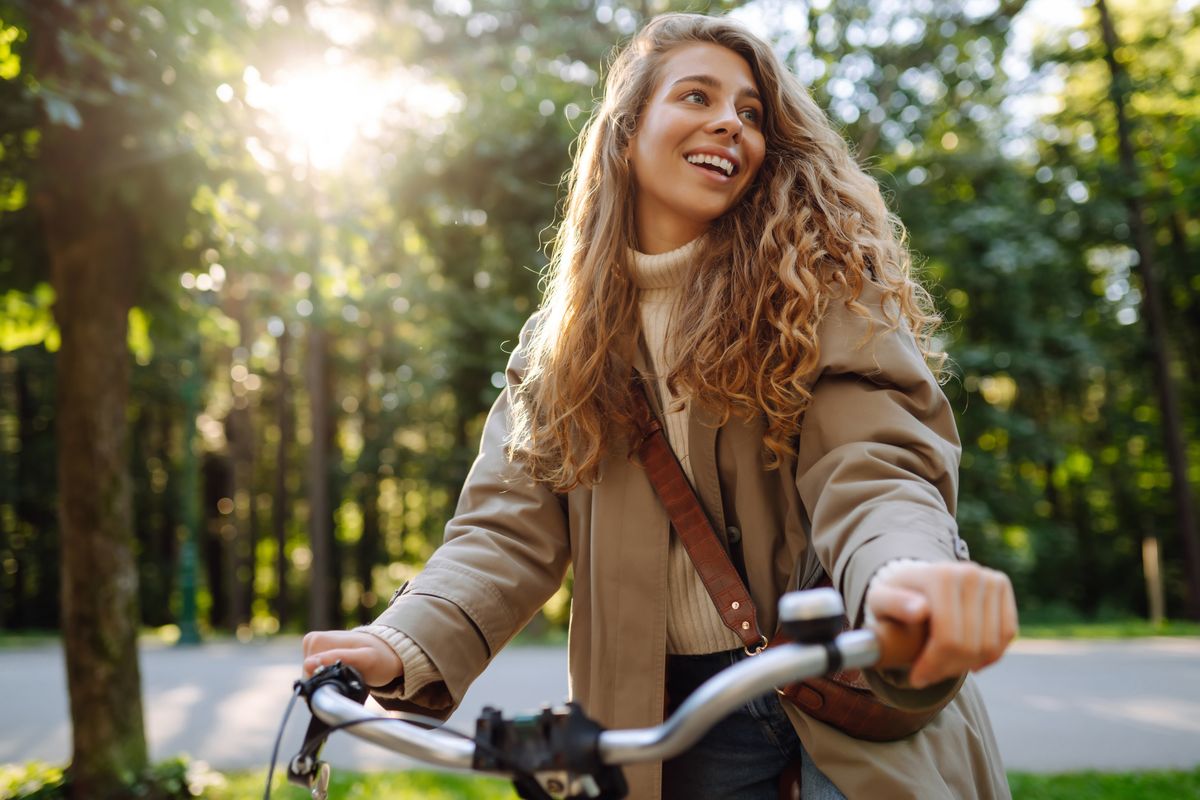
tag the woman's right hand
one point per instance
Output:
(371, 656)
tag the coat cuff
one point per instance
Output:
(418, 673)
(449, 640)
(911, 541)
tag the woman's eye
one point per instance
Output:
(750, 115)
(695, 97)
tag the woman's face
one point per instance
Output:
(698, 145)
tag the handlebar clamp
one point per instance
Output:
(553, 754)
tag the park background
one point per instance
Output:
(261, 262)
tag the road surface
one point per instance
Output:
(1055, 705)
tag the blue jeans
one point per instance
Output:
(742, 757)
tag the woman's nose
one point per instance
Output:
(727, 123)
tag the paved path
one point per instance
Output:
(1055, 705)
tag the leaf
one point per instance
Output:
(138, 337)
(26, 319)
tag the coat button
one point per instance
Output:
(734, 534)
(961, 550)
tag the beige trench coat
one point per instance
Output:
(874, 480)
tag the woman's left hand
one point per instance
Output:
(971, 612)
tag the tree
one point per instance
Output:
(109, 146)
(1174, 440)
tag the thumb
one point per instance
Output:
(896, 603)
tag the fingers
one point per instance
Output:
(971, 611)
(372, 657)
(316, 642)
(327, 658)
(897, 603)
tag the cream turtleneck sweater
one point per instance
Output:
(693, 625)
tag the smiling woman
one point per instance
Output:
(723, 258)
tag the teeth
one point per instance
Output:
(704, 158)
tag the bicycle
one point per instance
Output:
(560, 753)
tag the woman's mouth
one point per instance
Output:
(712, 163)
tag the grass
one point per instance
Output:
(1148, 785)
(168, 634)
(175, 780)
(374, 786)
(1109, 629)
(41, 781)
(1039, 624)
(10, 640)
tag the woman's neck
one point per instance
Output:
(656, 236)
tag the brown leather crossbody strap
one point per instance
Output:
(695, 530)
(843, 700)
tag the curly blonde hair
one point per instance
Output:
(812, 227)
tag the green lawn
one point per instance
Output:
(1111, 629)
(1165, 785)
(1073, 786)
(30, 782)
(1034, 626)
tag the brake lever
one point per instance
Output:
(305, 769)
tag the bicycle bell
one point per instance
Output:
(812, 616)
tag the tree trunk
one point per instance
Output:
(216, 532)
(369, 544)
(1089, 574)
(319, 530)
(92, 248)
(334, 485)
(99, 572)
(240, 434)
(368, 549)
(37, 509)
(168, 524)
(1152, 309)
(280, 501)
(25, 432)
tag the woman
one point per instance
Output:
(721, 246)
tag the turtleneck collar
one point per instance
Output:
(662, 270)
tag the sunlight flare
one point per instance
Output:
(320, 113)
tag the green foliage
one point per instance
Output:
(1018, 224)
(1150, 785)
(26, 319)
(1044, 626)
(415, 785)
(168, 780)
(418, 255)
(174, 779)
(179, 779)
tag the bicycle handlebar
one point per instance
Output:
(808, 616)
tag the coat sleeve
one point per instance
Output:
(506, 551)
(877, 466)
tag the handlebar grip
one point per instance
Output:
(899, 643)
